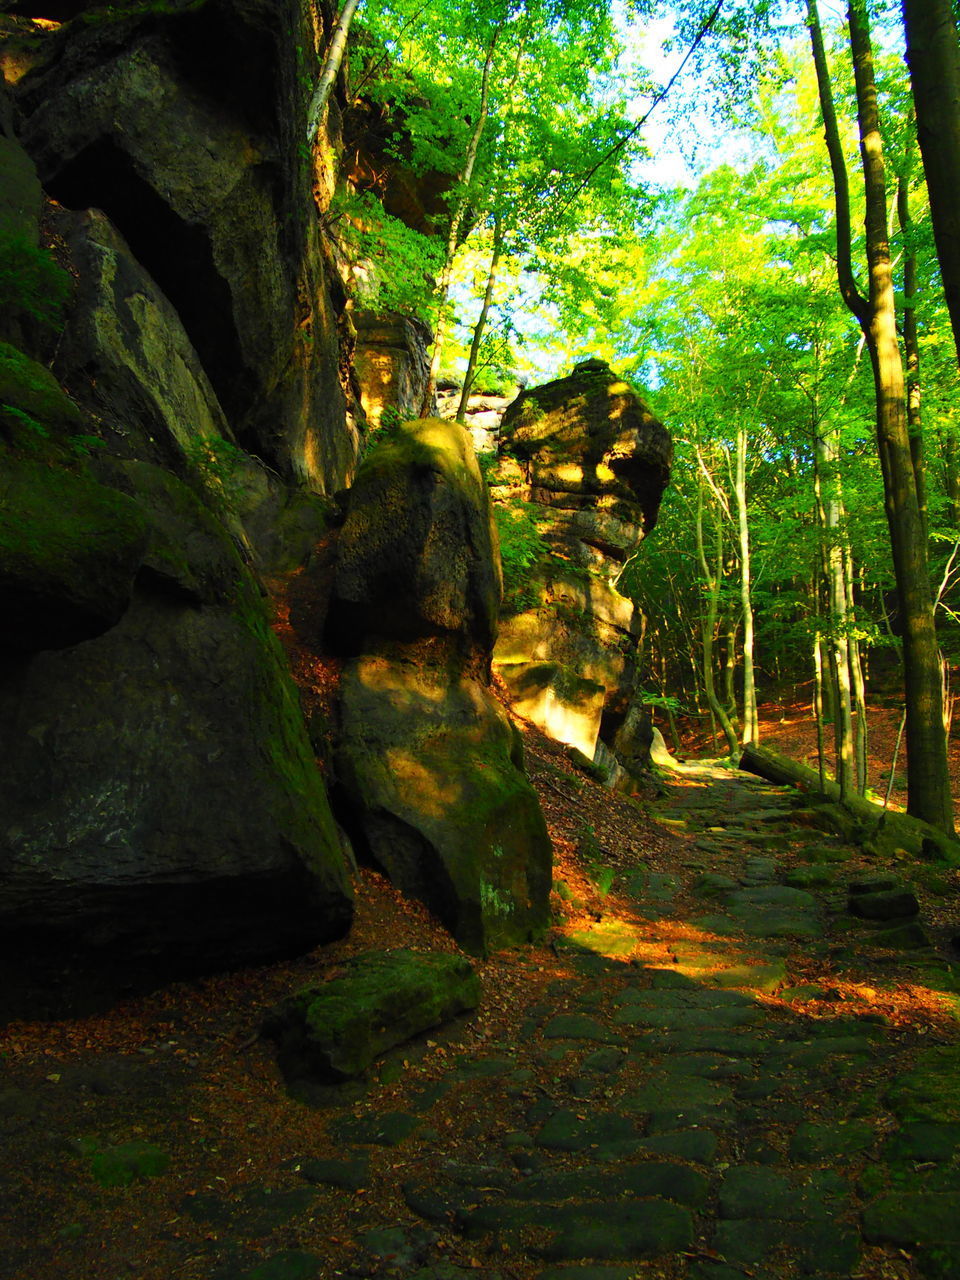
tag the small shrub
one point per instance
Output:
(521, 546)
(215, 462)
(30, 281)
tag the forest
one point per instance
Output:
(805, 538)
(479, 601)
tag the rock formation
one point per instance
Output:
(180, 432)
(429, 765)
(392, 363)
(593, 462)
(160, 807)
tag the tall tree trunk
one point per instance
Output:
(928, 779)
(933, 55)
(730, 669)
(911, 346)
(828, 504)
(711, 580)
(456, 222)
(481, 324)
(328, 72)
(857, 676)
(751, 728)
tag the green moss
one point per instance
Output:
(31, 283)
(66, 538)
(33, 405)
(124, 1164)
(931, 1091)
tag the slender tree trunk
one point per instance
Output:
(828, 505)
(730, 670)
(857, 677)
(818, 705)
(481, 324)
(933, 55)
(911, 347)
(329, 70)
(928, 775)
(751, 728)
(456, 223)
(711, 580)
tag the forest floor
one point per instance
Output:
(709, 1070)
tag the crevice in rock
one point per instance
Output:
(178, 256)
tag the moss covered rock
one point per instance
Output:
(417, 554)
(428, 762)
(163, 810)
(69, 551)
(383, 999)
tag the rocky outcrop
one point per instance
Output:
(428, 764)
(161, 811)
(592, 462)
(216, 207)
(392, 363)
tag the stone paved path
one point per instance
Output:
(688, 1128)
(659, 1115)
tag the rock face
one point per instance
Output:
(215, 207)
(428, 764)
(593, 462)
(160, 807)
(391, 362)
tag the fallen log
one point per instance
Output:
(872, 822)
(784, 771)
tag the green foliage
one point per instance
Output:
(521, 547)
(217, 464)
(394, 265)
(30, 281)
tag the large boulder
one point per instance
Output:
(591, 462)
(162, 812)
(417, 554)
(428, 764)
(184, 126)
(431, 769)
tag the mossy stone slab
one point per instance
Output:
(291, 1264)
(565, 1131)
(931, 1091)
(638, 1229)
(578, 1026)
(907, 1219)
(923, 1143)
(815, 1142)
(654, 1178)
(335, 1031)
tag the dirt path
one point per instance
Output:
(712, 1071)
